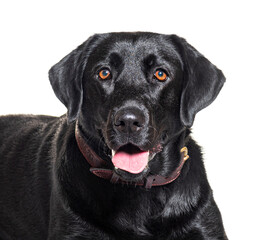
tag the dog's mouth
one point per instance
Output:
(132, 159)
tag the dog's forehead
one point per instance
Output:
(139, 46)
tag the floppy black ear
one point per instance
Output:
(203, 81)
(66, 78)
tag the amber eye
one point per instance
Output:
(160, 75)
(104, 74)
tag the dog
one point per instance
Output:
(121, 163)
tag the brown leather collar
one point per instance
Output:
(104, 170)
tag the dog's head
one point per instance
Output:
(133, 94)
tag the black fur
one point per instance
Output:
(47, 191)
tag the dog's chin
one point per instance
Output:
(130, 177)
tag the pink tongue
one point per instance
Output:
(131, 162)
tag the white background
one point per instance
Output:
(236, 131)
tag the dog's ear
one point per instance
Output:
(202, 81)
(66, 77)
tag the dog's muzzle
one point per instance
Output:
(128, 124)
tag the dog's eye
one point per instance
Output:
(160, 75)
(104, 74)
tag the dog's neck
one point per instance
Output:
(104, 169)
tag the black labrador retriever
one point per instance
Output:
(121, 164)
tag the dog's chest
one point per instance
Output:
(146, 216)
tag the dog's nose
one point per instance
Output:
(129, 121)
